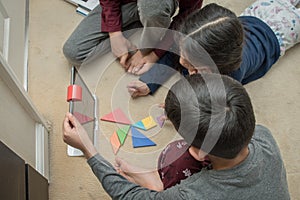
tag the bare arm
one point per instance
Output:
(146, 178)
(75, 135)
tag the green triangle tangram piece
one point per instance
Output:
(125, 129)
(140, 140)
(116, 116)
(122, 134)
(139, 125)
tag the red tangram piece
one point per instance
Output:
(116, 116)
(74, 93)
(82, 118)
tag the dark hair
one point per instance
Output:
(218, 31)
(211, 105)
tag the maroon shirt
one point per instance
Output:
(112, 22)
(175, 163)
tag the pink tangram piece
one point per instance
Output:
(161, 120)
(82, 118)
(116, 116)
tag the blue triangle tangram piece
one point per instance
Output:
(140, 140)
(139, 125)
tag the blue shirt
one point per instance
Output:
(260, 51)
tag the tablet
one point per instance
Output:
(84, 110)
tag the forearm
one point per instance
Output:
(116, 185)
(89, 151)
(115, 34)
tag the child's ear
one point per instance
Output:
(197, 153)
(193, 71)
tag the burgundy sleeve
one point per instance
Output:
(185, 7)
(111, 15)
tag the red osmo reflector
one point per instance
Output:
(74, 93)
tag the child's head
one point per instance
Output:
(213, 105)
(217, 30)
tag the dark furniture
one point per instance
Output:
(20, 181)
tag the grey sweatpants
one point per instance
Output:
(88, 40)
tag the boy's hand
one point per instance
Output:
(138, 88)
(75, 135)
(121, 47)
(139, 64)
(146, 178)
(136, 61)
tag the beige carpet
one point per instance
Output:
(275, 98)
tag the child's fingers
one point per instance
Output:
(67, 129)
(66, 123)
(130, 69)
(118, 161)
(141, 70)
(72, 120)
(131, 89)
(136, 70)
(117, 167)
(123, 60)
(132, 85)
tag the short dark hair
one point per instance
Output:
(219, 31)
(211, 102)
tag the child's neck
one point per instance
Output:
(222, 163)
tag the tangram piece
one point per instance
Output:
(74, 93)
(139, 125)
(116, 116)
(115, 143)
(149, 122)
(160, 120)
(82, 118)
(140, 140)
(122, 134)
(125, 129)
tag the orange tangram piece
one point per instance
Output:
(116, 116)
(74, 93)
(82, 118)
(115, 142)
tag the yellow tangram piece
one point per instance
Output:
(149, 122)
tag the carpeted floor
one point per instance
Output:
(275, 98)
